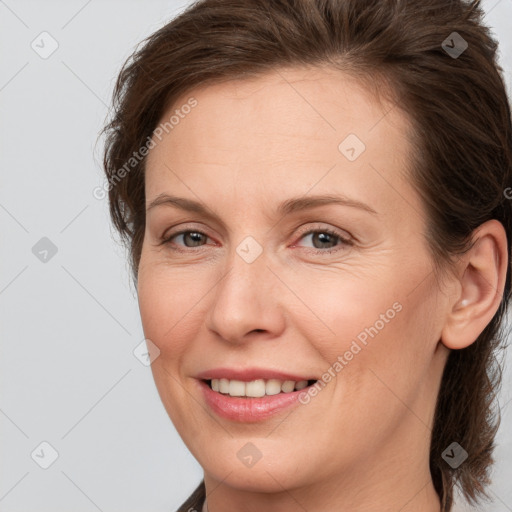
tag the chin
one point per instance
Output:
(269, 478)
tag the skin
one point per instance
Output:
(361, 444)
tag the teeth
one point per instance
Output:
(273, 387)
(256, 388)
(301, 385)
(224, 386)
(236, 388)
(288, 386)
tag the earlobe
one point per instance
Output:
(483, 271)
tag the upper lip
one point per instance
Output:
(249, 374)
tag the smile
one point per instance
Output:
(234, 400)
(256, 388)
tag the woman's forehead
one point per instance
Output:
(288, 131)
(307, 100)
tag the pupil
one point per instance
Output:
(324, 237)
(191, 236)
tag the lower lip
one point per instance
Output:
(248, 409)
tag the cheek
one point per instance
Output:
(346, 308)
(166, 301)
(368, 327)
(167, 315)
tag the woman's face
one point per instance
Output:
(270, 282)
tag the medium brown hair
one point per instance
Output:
(462, 142)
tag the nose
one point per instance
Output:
(245, 302)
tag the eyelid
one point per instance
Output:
(183, 227)
(318, 227)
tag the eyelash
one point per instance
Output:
(344, 241)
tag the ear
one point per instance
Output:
(482, 271)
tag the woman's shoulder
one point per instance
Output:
(195, 501)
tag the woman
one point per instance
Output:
(313, 193)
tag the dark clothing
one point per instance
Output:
(195, 501)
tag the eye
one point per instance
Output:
(326, 240)
(189, 239)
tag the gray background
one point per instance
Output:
(69, 325)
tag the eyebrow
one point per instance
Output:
(286, 207)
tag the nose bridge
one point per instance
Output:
(244, 298)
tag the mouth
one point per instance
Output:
(256, 388)
(252, 401)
